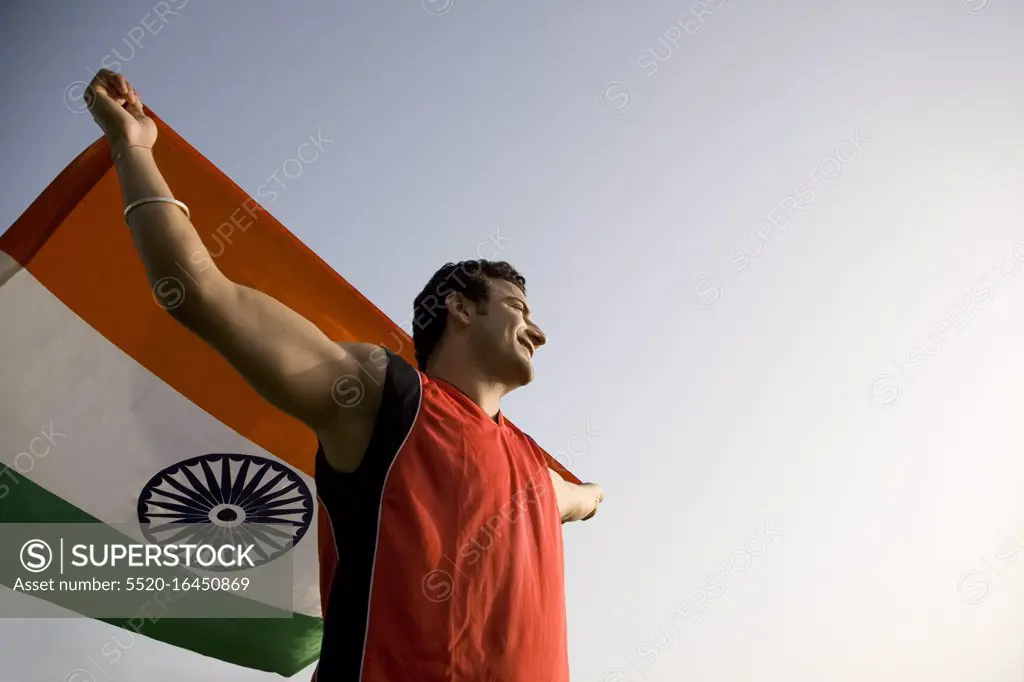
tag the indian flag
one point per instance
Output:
(112, 412)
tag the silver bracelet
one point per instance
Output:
(166, 200)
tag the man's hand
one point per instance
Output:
(591, 496)
(576, 502)
(117, 110)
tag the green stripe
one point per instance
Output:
(280, 645)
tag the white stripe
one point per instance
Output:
(8, 267)
(380, 510)
(121, 423)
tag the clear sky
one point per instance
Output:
(759, 237)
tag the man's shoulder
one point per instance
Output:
(359, 391)
(364, 351)
(372, 359)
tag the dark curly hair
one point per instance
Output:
(469, 278)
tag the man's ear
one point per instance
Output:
(459, 307)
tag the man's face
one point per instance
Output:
(503, 337)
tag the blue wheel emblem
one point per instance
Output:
(227, 499)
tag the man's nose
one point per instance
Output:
(537, 337)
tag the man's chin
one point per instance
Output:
(521, 373)
(528, 372)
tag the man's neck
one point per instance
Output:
(484, 392)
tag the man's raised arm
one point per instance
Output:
(284, 356)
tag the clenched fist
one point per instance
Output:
(117, 110)
(591, 497)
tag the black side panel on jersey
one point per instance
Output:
(352, 502)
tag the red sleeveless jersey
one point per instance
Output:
(441, 555)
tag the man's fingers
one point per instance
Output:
(99, 87)
(134, 106)
(117, 88)
(107, 104)
(115, 82)
(98, 92)
(112, 84)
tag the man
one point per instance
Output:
(441, 551)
